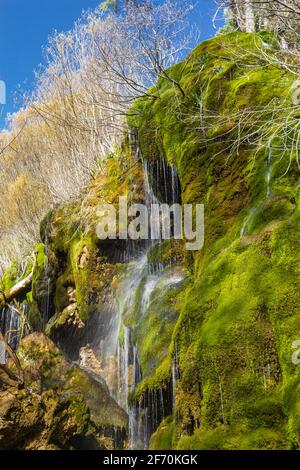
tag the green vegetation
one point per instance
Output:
(239, 312)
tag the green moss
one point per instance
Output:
(10, 277)
(238, 312)
(168, 253)
(58, 321)
(222, 439)
(158, 378)
(34, 314)
(41, 259)
(162, 439)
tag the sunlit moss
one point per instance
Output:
(238, 315)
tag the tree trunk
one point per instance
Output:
(19, 289)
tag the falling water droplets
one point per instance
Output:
(154, 405)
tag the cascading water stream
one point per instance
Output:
(13, 325)
(113, 338)
(45, 307)
(160, 180)
(175, 375)
(130, 373)
(268, 176)
(247, 222)
(269, 169)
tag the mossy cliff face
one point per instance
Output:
(239, 315)
(215, 345)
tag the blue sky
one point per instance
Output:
(25, 26)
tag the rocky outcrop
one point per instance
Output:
(41, 422)
(60, 406)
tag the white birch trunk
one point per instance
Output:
(249, 17)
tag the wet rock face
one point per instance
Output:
(71, 313)
(89, 361)
(60, 407)
(43, 287)
(204, 345)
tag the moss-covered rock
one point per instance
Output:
(162, 439)
(238, 314)
(41, 422)
(85, 267)
(75, 407)
(229, 326)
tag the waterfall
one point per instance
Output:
(268, 175)
(112, 343)
(143, 419)
(12, 325)
(269, 169)
(248, 220)
(175, 375)
(46, 301)
(127, 354)
(126, 363)
(153, 407)
(44, 287)
(161, 182)
(105, 337)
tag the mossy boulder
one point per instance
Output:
(76, 408)
(85, 267)
(41, 422)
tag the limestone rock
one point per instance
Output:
(61, 406)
